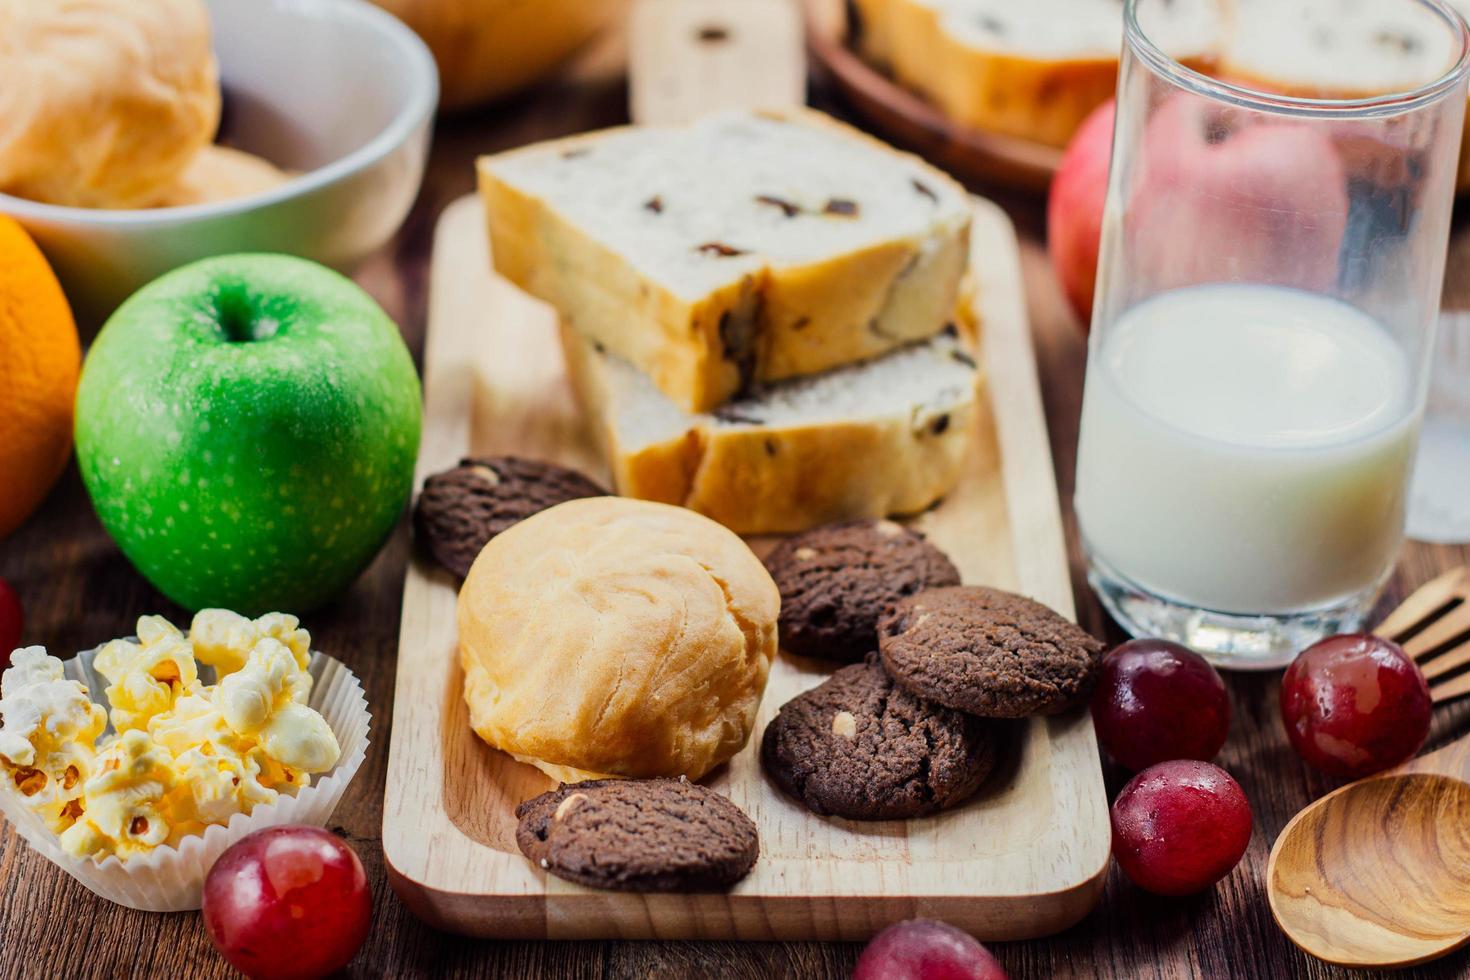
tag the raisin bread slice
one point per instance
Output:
(888, 436)
(1335, 49)
(1351, 49)
(1032, 70)
(745, 248)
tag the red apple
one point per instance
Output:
(1219, 196)
(1213, 196)
(1074, 210)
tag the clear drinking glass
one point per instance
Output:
(1269, 284)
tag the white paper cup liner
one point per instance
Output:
(171, 879)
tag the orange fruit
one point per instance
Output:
(40, 358)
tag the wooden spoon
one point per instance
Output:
(1377, 874)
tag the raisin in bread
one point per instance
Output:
(888, 436)
(1032, 70)
(743, 249)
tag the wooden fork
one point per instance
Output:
(1433, 627)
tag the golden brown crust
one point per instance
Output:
(800, 319)
(1039, 99)
(617, 637)
(778, 479)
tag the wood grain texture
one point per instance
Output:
(77, 587)
(1023, 858)
(1433, 627)
(1378, 873)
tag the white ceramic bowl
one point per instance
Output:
(338, 90)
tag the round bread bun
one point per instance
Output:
(616, 637)
(221, 173)
(103, 103)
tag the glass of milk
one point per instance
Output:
(1273, 253)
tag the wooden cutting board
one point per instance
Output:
(1025, 857)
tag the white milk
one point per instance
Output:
(1245, 449)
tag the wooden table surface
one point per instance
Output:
(78, 590)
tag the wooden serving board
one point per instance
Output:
(1026, 857)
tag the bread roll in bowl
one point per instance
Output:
(103, 103)
(490, 48)
(617, 637)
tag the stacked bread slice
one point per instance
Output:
(755, 309)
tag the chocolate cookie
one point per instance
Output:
(988, 652)
(859, 747)
(837, 581)
(641, 835)
(461, 509)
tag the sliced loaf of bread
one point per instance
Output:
(1335, 49)
(1339, 49)
(1032, 70)
(743, 249)
(888, 436)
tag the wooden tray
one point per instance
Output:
(915, 123)
(1025, 858)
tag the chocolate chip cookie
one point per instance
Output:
(837, 581)
(859, 747)
(641, 835)
(988, 652)
(461, 509)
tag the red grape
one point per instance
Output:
(12, 622)
(1180, 826)
(1157, 701)
(1354, 705)
(287, 902)
(922, 949)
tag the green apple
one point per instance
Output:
(247, 428)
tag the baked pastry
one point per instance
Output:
(459, 510)
(988, 652)
(1031, 70)
(642, 835)
(838, 580)
(617, 637)
(742, 249)
(103, 103)
(886, 437)
(220, 173)
(487, 49)
(858, 747)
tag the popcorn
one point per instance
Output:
(123, 803)
(147, 675)
(224, 639)
(213, 786)
(47, 741)
(187, 755)
(266, 699)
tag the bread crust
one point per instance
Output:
(616, 637)
(1039, 99)
(779, 479)
(774, 323)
